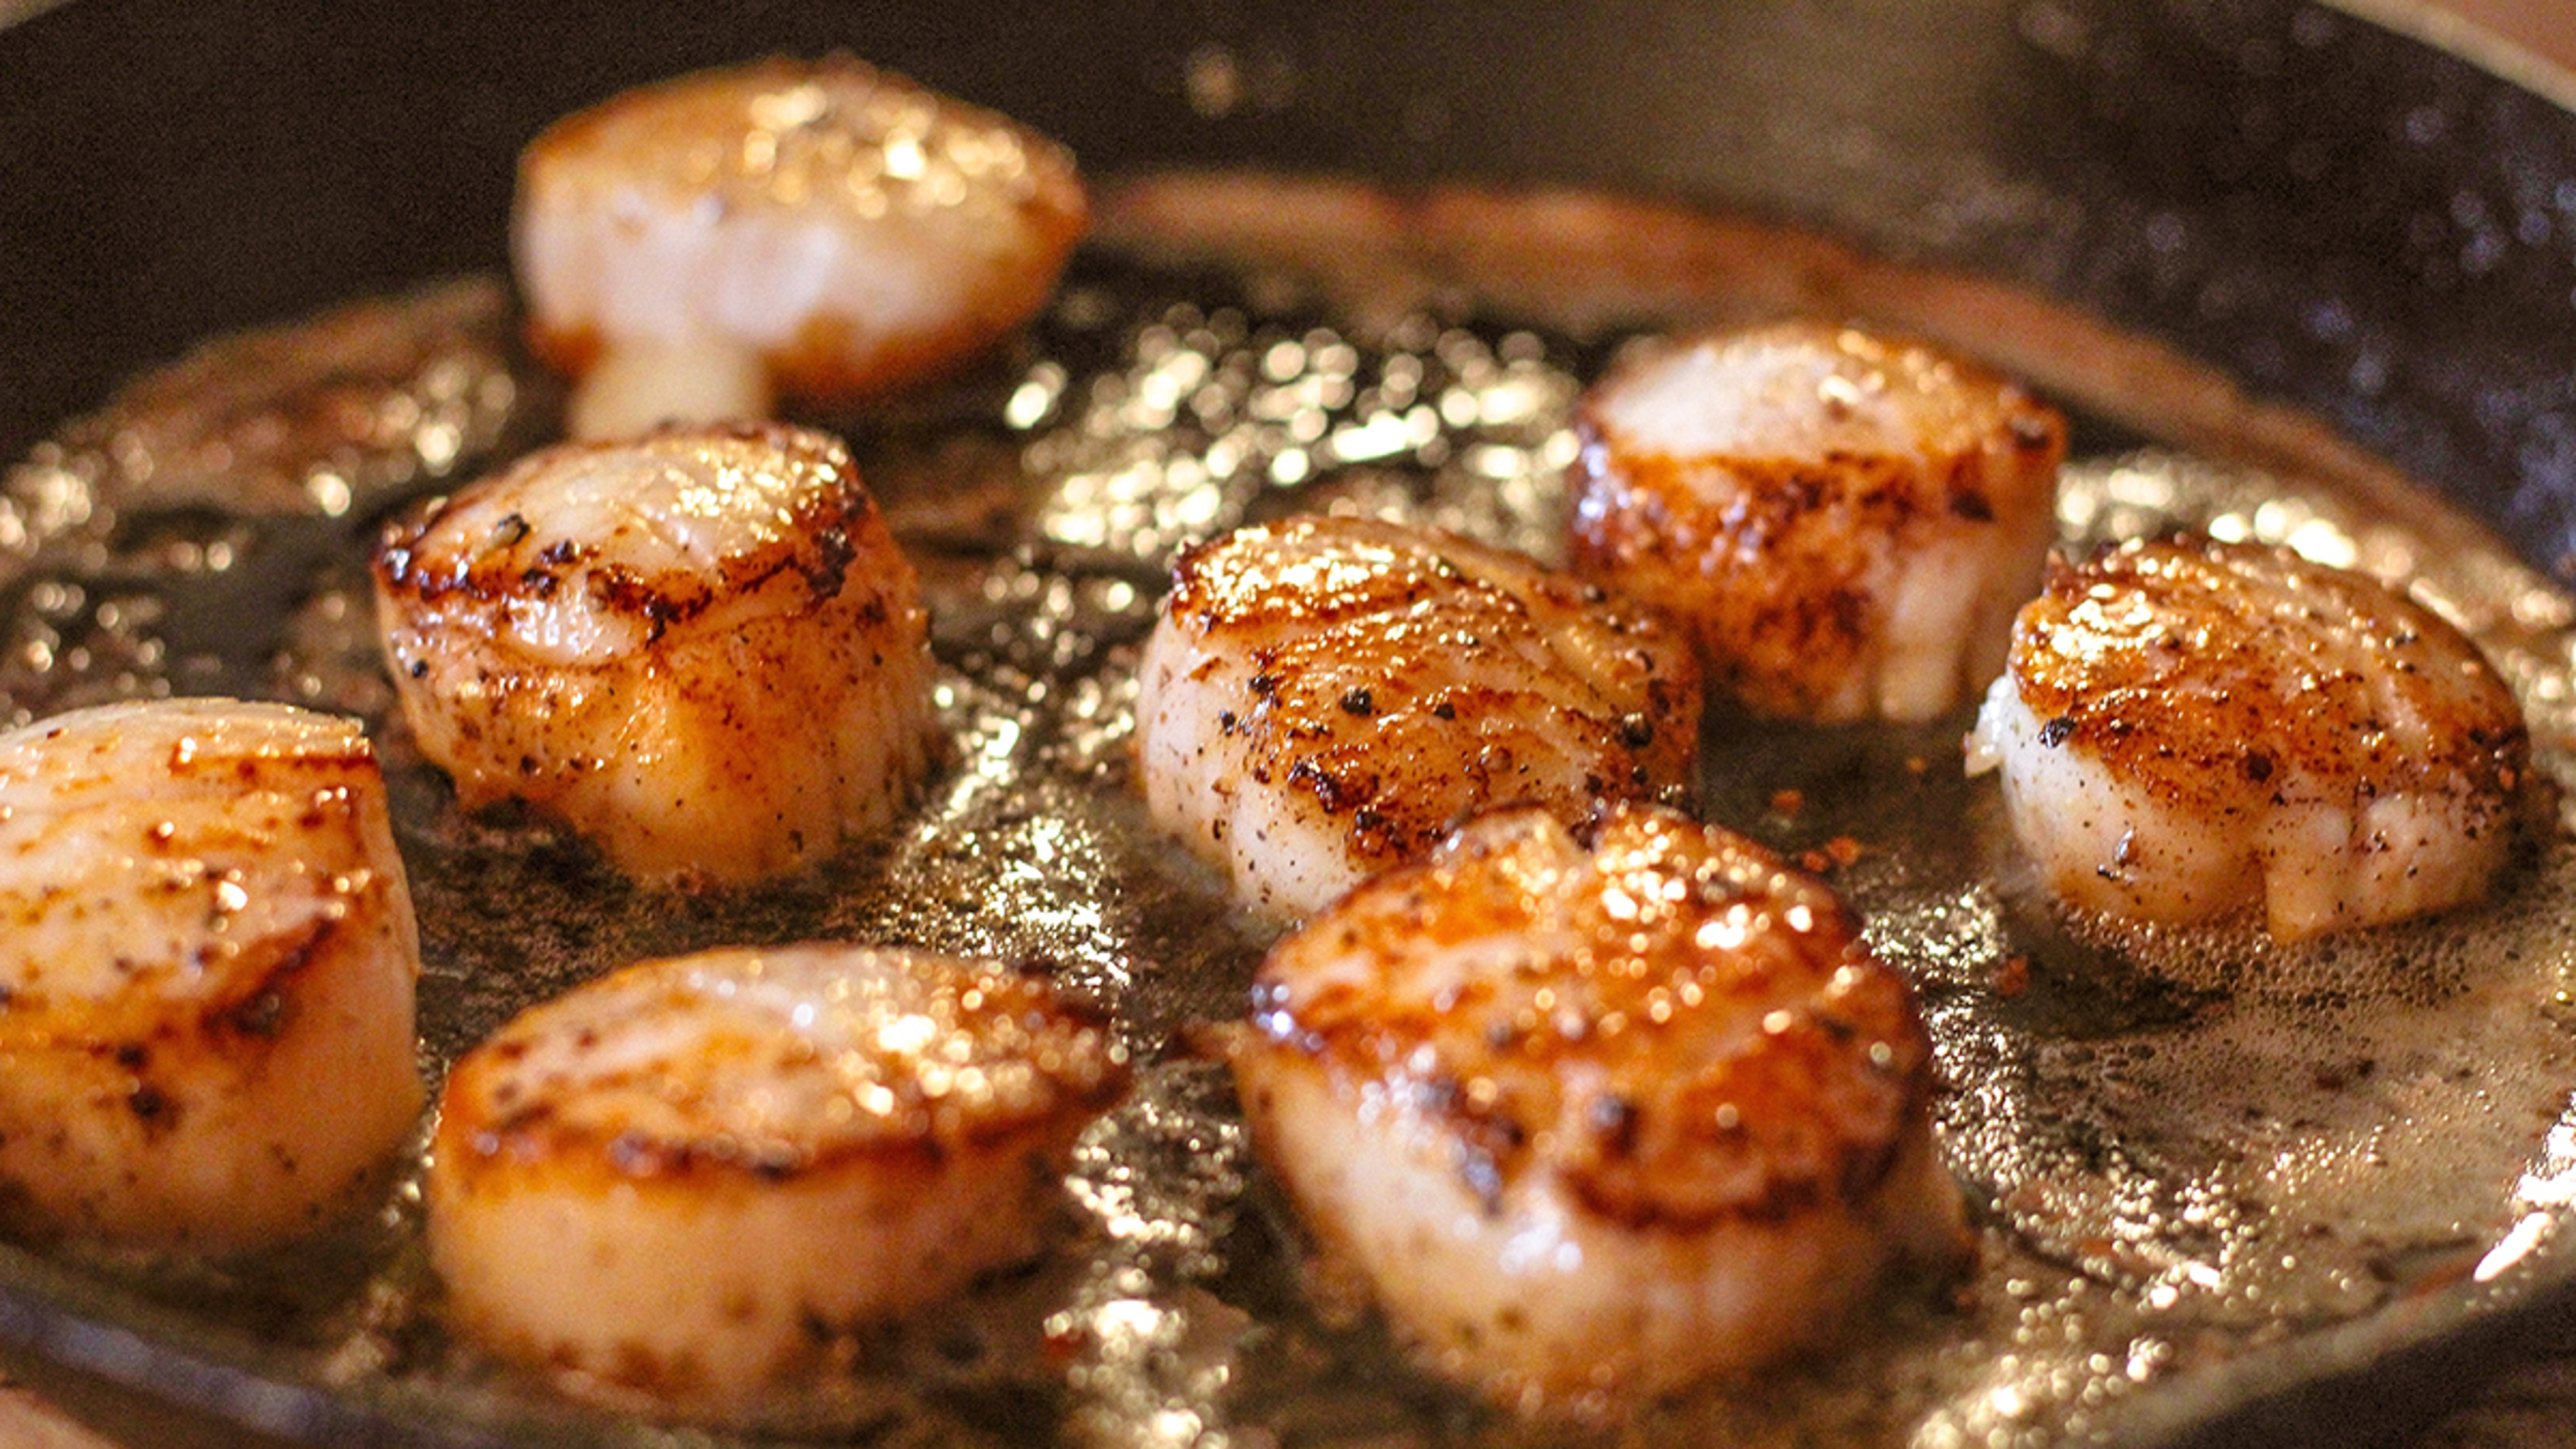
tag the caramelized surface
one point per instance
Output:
(1678, 1025)
(1325, 698)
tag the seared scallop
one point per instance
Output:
(821, 230)
(206, 984)
(1846, 522)
(1598, 1116)
(702, 649)
(2190, 729)
(1323, 699)
(682, 1185)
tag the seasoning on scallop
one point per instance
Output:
(702, 648)
(820, 230)
(683, 1185)
(206, 986)
(1325, 698)
(1846, 522)
(1594, 1116)
(2191, 728)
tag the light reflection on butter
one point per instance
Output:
(2545, 1190)
(1209, 414)
(1155, 1352)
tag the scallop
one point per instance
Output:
(2193, 729)
(206, 987)
(683, 1186)
(702, 648)
(1846, 522)
(1324, 698)
(1598, 1115)
(819, 231)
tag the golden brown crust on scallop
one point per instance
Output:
(811, 552)
(207, 923)
(1369, 682)
(2210, 675)
(686, 1187)
(848, 146)
(1782, 550)
(952, 1055)
(1680, 1027)
(703, 648)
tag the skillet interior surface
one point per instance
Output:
(2335, 217)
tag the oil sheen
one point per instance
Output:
(2192, 1155)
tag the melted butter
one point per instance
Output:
(2187, 1148)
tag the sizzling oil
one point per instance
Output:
(2187, 1150)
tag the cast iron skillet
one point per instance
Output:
(2343, 219)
